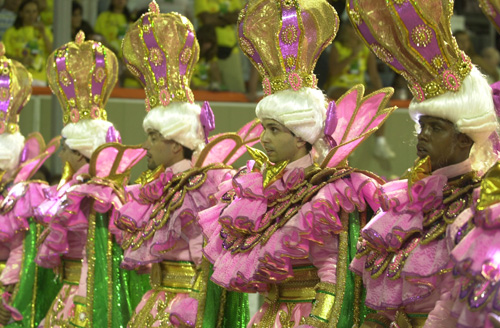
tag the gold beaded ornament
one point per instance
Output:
(414, 38)
(82, 75)
(161, 50)
(284, 39)
(15, 91)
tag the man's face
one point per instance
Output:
(159, 150)
(439, 139)
(72, 157)
(279, 142)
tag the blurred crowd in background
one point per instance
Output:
(26, 30)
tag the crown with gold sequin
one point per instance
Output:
(414, 38)
(82, 75)
(15, 91)
(161, 50)
(284, 39)
(491, 8)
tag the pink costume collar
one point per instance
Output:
(302, 162)
(455, 169)
(181, 166)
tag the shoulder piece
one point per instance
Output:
(226, 148)
(357, 117)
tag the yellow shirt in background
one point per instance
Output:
(27, 41)
(354, 72)
(226, 36)
(112, 27)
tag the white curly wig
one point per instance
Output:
(11, 146)
(86, 135)
(303, 112)
(472, 111)
(180, 122)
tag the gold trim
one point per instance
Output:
(173, 276)
(71, 271)
(342, 264)
(201, 285)
(90, 249)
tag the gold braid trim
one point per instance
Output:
(376, 320)
(90, 248)
(329, 297)
(201, 287)
(322, 305)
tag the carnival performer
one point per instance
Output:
(403, 257)
(78, 241)
(20, 158)
(284, 225)
(159, 218)
(475, 254)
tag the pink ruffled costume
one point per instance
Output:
(290, 234)
(61, 246)
(476, 256)
(160, 229)
(403, 257)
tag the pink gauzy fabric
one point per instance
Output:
(309, 237)
(398, 271)
(179, 239)
(65, 212)
(477, 265)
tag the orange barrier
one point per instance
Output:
(126, 93)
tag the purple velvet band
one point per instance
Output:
(289, 21)
(496, 97)
(412, 20)
(331, 123)
(113, 135)
(5, 84)
(69, 89)
(24, 154)
(187, 45)
(100, 65)
(160, 67)
(207, 119)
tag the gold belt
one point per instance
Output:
(300, 288)
(409, 320)
(72, 270)
(173, 276)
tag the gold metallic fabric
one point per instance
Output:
(15, 91)
(81, 69)
(173, 276)
(71, 271)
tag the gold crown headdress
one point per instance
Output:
(491, 8)
(414, 38)
(284, 39)
(15, 91)
(161, 50)
(82, 75)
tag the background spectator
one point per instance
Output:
(78, 24)
(222, 16)
(206, 74)
(8, 15)
(491, 57)
(464, 43)
(183, 7)
(29, 41)
(350, 61)
(113, 23)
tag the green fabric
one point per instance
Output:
(137, 285)
(236, 311)
(27, 293)
(346, 319)
(364, 309)
(119, 298)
